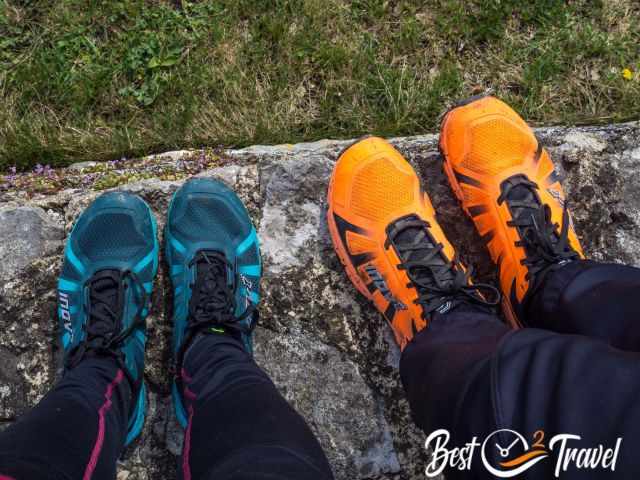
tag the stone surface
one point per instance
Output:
(327, 350)
(27, 233)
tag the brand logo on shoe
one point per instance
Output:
(65, 314)
(506, 453)
(561, 201)
(380, 283)
(445, 307)
(557, 195)
(248, 286)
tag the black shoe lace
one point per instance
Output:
(544, 246)
(442, 284)
(103, 330)
(213, 302)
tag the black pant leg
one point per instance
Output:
(77, 431)
(470, 375)
(240, 427)
(437, 366)
(599, 300)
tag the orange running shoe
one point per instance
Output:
(384, 230)
(508, 185)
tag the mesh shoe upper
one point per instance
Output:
(111, 259)
(486, 145)
(214, 260)
(385, 233)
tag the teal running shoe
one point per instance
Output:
(110, 261)
(214, 260)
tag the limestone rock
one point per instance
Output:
(327, 349)
(27, 233)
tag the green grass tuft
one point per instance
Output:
(85, 80)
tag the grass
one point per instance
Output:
(89, 80)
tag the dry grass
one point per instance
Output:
(101, 80)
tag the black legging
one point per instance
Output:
(240, 427)
(466, 372)
(470, 374)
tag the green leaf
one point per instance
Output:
(156, 62)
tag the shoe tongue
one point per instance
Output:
(525, 194)
(212, 274)
(104, 296)
(526, 215)
(408, 237)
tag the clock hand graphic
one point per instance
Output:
(504, 452)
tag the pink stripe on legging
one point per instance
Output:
(185, 376)
(186, 468)
(97, 448)
(4, 477)
(186, 449)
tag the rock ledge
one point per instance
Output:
(327, 349)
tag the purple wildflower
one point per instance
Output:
(48, 171)
(87, 179)
(11, 177)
